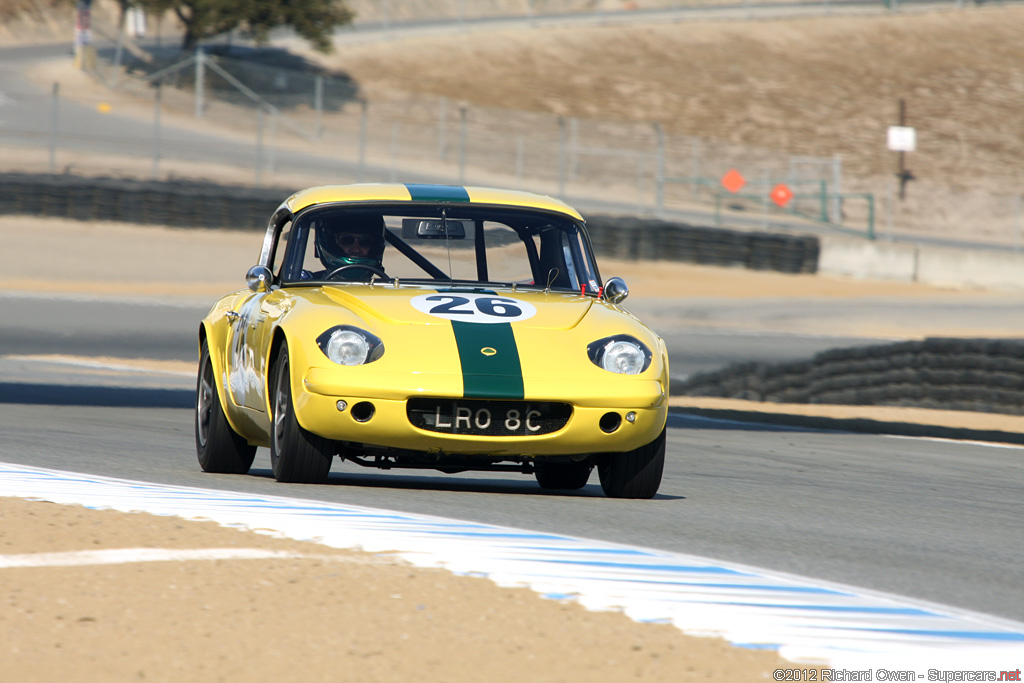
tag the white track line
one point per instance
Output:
(83, 558)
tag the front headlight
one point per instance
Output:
(620, 354)
(348, 345)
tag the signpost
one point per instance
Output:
(903, 139)
(85, 53)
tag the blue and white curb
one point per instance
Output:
(804, 619)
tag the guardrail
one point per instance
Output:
(981, 375)
(205, 205)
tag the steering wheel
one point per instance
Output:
(373, 269)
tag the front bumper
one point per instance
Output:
(316, 408)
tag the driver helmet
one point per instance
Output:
(351, 239)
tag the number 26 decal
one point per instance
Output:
(473, 307)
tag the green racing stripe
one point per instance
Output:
(486, 375)
(437, 193)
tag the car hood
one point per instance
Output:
(416, 305)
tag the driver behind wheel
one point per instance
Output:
(350, 240)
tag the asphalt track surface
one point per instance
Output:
(934, 520)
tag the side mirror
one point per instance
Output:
(615, 290)
(259, 279)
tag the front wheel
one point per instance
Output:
(563, 475)
(219, 447)
(634, 474)
(295, 455)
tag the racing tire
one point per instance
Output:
(563, 475)
(219, 447)
(634, 474)
(296, 455)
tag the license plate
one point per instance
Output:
(488, 418)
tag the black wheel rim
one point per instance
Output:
(204, 403)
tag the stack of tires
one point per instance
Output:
(985, 375)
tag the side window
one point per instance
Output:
(508, 257)
(279, 253)
(557, 260)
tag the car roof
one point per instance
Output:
(411, 192)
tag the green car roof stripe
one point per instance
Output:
(437, 193)
(498, 375)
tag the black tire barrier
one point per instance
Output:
(177, 203)
(984, 375)
(633, 238)
(208, 205)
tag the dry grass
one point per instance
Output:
(815, 86)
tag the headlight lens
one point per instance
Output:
(623, 357)
(347, 345)
(620, 354)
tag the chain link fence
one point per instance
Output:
(275, 120)
(393, 135)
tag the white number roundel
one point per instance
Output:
(473, 307)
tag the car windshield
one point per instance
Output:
(438, 243)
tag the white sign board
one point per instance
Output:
(902, 139)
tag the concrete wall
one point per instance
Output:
(934, 265)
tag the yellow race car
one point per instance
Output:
(433, 327)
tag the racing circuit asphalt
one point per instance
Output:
(933, 520)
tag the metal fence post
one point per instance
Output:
(271, 147)
(442, 130)
(259, 147)
(574, 141)
(363, 116)
(871, 215)
(520, 157)
(318, 103)
(837, 190)
(1019, 229)
(157, 101)
(765, 196)
(640, 184)
(393, 170)
(200, 76)
(53, 127)
(462, 143)
(695, 164)
(890, 191)
(563, 160)
(659, 180)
